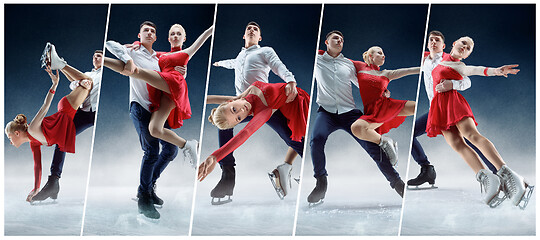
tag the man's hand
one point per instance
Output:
(216, 64)
(129, 69)
(444, 86)
(290, 91)
(182, 70)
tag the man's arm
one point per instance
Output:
(460, 85)
(279, 69)
(228, 64)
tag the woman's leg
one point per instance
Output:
(290, 156)
(157, 121)
(365, 130)
(149, 76)
(454, 138)
(409, 108)
(469, 131)
(79, 94)
(74, 74)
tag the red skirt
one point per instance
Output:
(296, 113)
(59, 128)
(384, 110)
(446, 110)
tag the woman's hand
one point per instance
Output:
(31, 195)
(134, 46)
(182, 70)
(506, 69)
(206, 167)
(129, 68)
(85, 83)
(54, 77)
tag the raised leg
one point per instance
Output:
(149, 76)
(409, 108)
(365, 130)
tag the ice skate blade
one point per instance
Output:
(315, 204)
(43, 203)
(297, 180)
(274, 178)
(421, 187)
(44, 57)
(496, 201)
(526, 197)
(136, 199)
(143, 220)
(221, 201)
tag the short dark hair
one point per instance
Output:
(336, 32)
(98, 51)
(254, 24)
(148, 23)
(436, 33)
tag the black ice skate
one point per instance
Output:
(281, 179)
(158, 202)
(316, 197)
(400, 187)
(222, 193)
(427, 175)
(146, 206)
(50, 190)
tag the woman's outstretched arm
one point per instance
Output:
(218, 99)
(35, 125)
(487, 71)
(402, 72)
(191, 50)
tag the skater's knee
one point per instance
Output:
(318, 140)
(359, 128)
(155, 131)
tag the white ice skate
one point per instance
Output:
(281, 179)
(515, 188)
(390, 148)
(190, 152)
(118, 51)
(490, 186)
(50, 56)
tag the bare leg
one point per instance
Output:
(365, 130)
(74, 74)
(158, 120)
(454, 138)
(290, 156)
(77, 96)
(149, 76)
(409, 108)
(469, 131)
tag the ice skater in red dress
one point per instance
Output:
(167, 89)
(260, 100)
(451, 116)
(55, 129)
(381, 113)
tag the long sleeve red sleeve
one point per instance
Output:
(36, 151)
(254, 124)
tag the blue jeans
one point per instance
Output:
(418, 152)
(277, 122)
(153, 162)
(327, 123)
(82, 121)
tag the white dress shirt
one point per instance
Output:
(254, 64)
(138, 92)
(90, 103)
(334, 77)
(427, 68)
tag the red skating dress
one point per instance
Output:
(447, 108)
(377, 108)
(177, 87)
(296, 113)
(58, 129)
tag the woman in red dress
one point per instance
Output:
(451, 116)
(260, 100)
(168, 89)
(381, 113)
(55, 129)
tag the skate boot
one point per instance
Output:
(316, 196)
(281, 179)
(146, 206)
(225, 186)
(515, 188)
(390, 148)
(490, 187)
(400, 187)
(190, 152)
(157, 201)
(51, 189)
(427, 174)
(50, 57)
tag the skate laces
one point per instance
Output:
(509, 183)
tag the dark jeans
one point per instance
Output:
(327, 123)
(278, 122)
(82, 121)
(153, 162)
(418, 152)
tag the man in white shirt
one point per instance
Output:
(431, 60)
(252, 64)
(154, 161)
(84, 118)
(334, 74)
